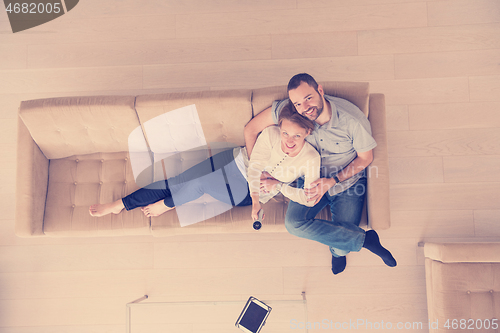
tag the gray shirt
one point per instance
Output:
(339, 140)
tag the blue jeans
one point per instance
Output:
(342, 234)
(217, 176)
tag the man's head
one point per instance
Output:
(306, 95)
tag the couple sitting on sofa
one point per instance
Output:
(334, 127)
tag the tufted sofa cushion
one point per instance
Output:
(463, 291)
(68, 126)
(216, 118)
(222, 115)
(76, 182)
(463, 282)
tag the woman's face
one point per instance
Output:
(292, 137)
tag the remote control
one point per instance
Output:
(257, 224)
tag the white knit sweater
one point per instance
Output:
(268, 156)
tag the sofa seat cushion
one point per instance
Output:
(235, 220)
(79, 181)
(462, 291)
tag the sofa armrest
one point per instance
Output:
(31, 187)
(463, 252)
(378, 205)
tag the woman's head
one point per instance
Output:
(294, 128)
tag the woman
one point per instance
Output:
(280, 156)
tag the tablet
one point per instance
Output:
(253, 316)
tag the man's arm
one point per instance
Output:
(255, 126)
(357, 165)
(320, 186)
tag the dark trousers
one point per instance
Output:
(217, 176)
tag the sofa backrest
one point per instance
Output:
(222, 115)
(68, 126)
(355, 92)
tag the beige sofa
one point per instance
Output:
(75, 151)
(463, 285)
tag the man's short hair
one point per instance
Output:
(296, 80)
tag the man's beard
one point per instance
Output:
(319, 110)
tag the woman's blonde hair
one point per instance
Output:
(288, 113)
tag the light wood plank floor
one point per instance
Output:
(436, 61)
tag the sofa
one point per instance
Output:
(77, 151)
(463, 285)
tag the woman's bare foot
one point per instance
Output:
(105, 209)
(156, 209)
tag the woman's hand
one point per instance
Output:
(318, 188)
(256, 207)
(268, 185)
(266, 175)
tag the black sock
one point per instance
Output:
(338, 264)
(372, 243)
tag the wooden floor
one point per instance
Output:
(437, 62)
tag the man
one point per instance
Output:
(343, 138)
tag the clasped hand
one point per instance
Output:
(318, 188)
(267, 182)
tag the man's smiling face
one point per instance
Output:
(307, 101)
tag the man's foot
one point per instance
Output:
(105, 209)
(156, 209)
(338, 264)
(372, 243)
